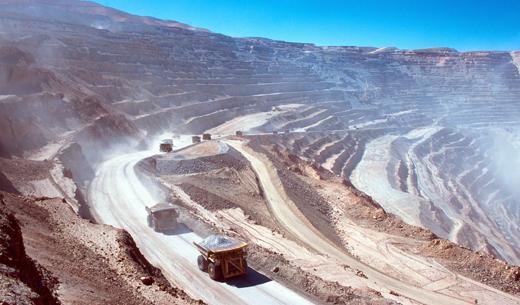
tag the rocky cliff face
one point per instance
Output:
(23, 281)
(99, 76)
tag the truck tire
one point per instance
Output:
(215, 272)
(202, 262)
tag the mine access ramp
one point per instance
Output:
(222, 257)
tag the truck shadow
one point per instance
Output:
(179, 230)
(250, 279)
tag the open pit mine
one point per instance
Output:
(327, 175)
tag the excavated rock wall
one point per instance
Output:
(22, 280)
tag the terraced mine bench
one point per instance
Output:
(222, 257)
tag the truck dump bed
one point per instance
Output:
(225, 255)
(162, 216)
(220, 243)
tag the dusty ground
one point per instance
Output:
(91, 263)
(344, 206)
(219, 181)
(22, 280)
(223, 191)
(231, 201)
(229, 198)
(327, 291)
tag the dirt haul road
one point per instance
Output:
(288, 215)
(118, 197)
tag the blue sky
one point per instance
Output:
(464, 25)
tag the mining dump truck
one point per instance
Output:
(195, 139)
(206, 136)
(166, 145)
(162, 217)
(222, 257)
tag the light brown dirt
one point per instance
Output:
(92, 264)
(478, 266)
(224, 182)
(364, 212)
(214, 198)
(278, 267)
(203, 149)
(22, 280)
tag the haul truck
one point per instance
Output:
(162, 217)
(166, 145)
(222, 257)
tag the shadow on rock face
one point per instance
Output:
(6, 185)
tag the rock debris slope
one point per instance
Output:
(49, 255)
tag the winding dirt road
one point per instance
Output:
(288, 215)
(118, 198)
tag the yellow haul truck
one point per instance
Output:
(222, 257)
